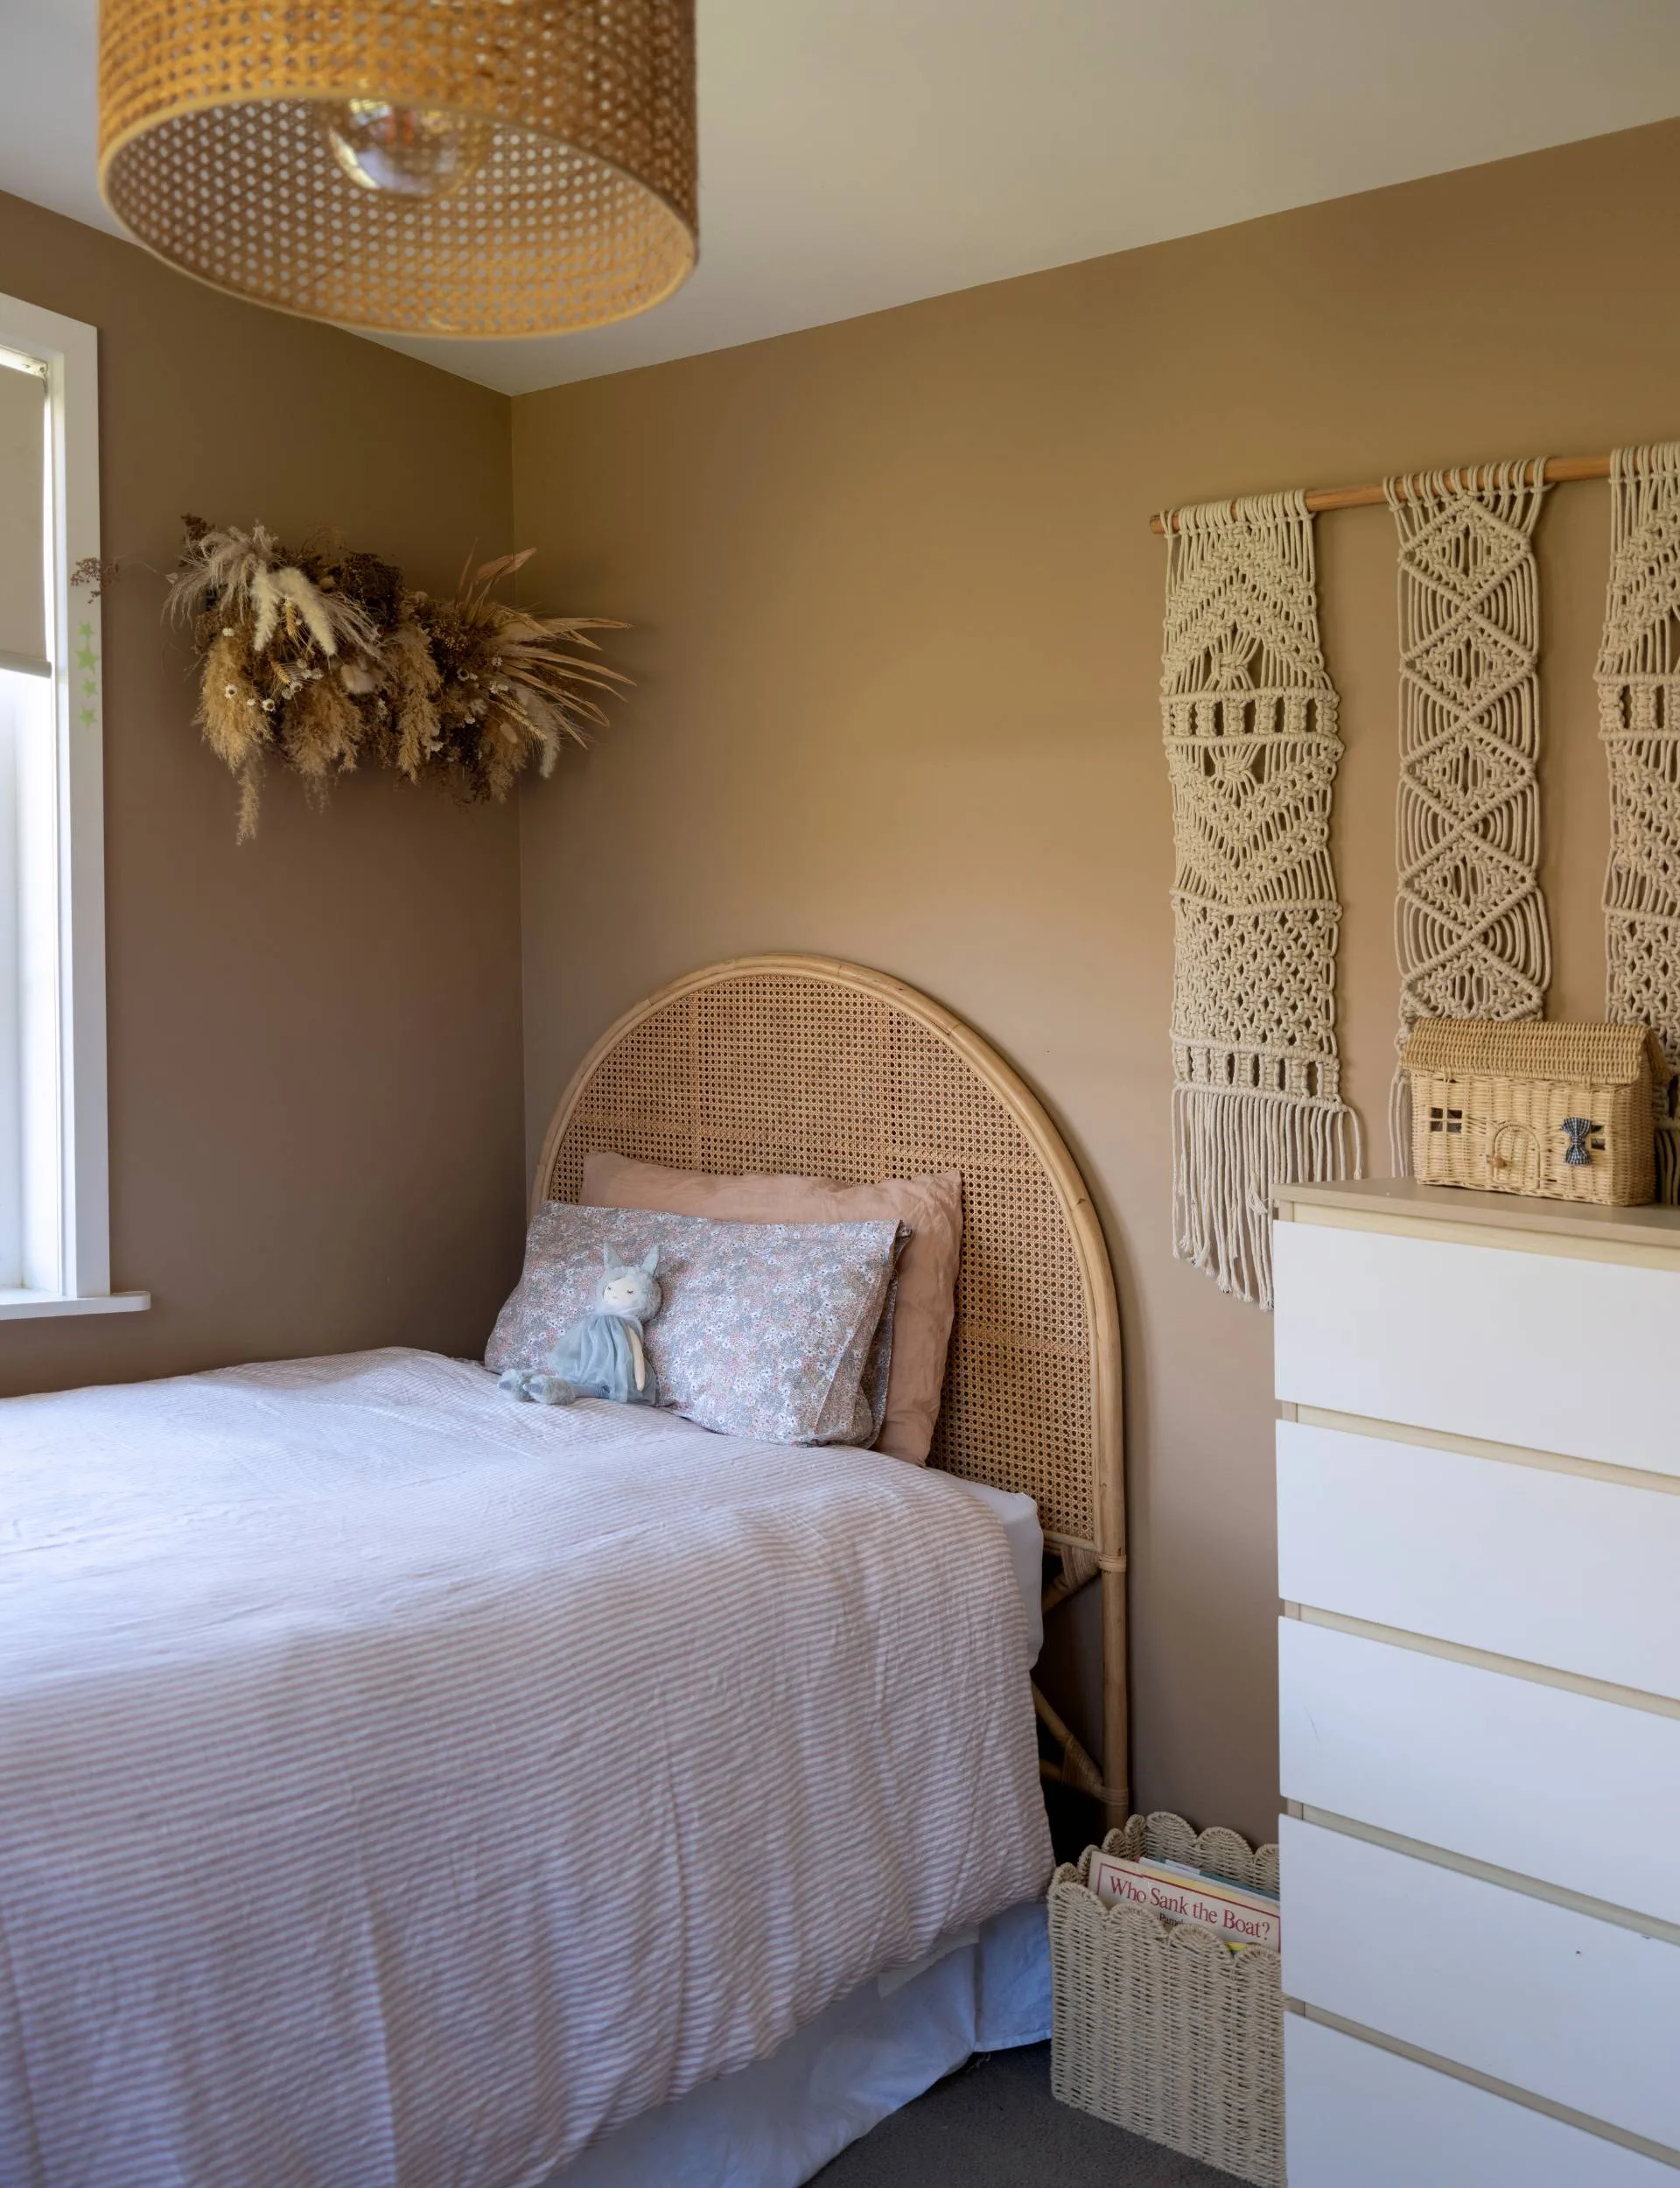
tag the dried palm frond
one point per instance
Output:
(510, 693)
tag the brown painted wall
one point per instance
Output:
(898, 630)
(315, 1038)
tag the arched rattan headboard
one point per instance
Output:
(806, 1064)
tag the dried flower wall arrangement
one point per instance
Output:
(326, 658)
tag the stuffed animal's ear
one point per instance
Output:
(610, 1259)
(650, 1262)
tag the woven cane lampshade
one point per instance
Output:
(472, 167)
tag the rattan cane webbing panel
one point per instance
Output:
(808, 1071)
(578, 203)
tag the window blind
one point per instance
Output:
(23, 518)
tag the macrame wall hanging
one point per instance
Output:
(1470, 922)
(1638, 720)
(1249, 717)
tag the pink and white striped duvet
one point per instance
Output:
(399, 1786)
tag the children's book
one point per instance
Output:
(1182, 1872)
(1237, 1914)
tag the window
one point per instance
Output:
(54, 1219)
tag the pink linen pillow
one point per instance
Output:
(930, 1208)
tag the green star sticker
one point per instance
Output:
(87, 717)
(86, 658)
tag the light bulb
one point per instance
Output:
(409, 151)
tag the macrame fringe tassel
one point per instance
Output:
(1400, 1122)
(1233, 1150)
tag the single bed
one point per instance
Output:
(794, 1063)
(400, 1786)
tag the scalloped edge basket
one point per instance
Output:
(1158, 2027)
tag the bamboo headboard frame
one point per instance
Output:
(808, 1064)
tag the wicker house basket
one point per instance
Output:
(1160, 2027)
(1565, 1112)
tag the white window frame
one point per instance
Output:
(69, 350)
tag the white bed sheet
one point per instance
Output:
(329, 1692)
(775, 2123)
(1019, 1518)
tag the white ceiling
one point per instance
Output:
(856, 154)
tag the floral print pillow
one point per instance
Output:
(777, 1331)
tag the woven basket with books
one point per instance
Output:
(1563, 1113)
(1169, 2013)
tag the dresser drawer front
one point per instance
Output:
(1554, 1568)
(1538, 1995)
(1505, 1771)
(1357, 2113)
(1543, 1351)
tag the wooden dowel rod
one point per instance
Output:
(1559, 471)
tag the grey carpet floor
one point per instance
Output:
(996, 2124)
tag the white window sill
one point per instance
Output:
(17, 1305)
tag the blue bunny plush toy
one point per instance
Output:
(602, 1355)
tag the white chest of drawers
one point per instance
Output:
(1478, 1557)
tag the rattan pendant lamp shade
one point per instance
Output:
(470, 167)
